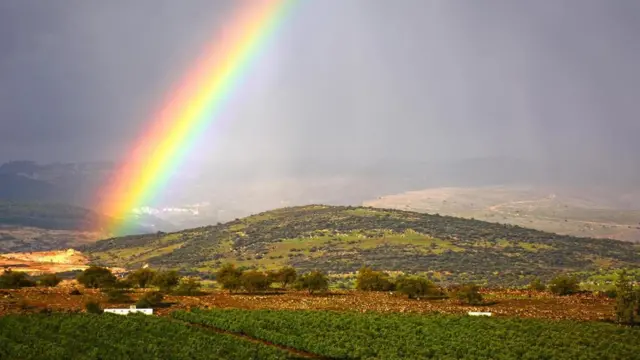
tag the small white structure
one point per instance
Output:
(477, 313)
(130, 310)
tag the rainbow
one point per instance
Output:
(194, 104)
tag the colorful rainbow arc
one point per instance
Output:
(196, 102)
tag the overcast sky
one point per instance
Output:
(345, 80)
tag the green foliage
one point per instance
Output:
(229, 277)
(469, 294)
(313, 282)
(189, 286)
(354, 335)
(49, 280)
(117, 296)
(286, 276)
(340, 239)
(97, 277)
(627, 300)
(537, 285)
(166, 280)
(370, 280)
(141, 277)
(255, 281)
(140, 337)
(417, 287)
(93, 307)
(564, 285)
(150, 299)
(15, 280)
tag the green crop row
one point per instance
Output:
(401, 336)
(107, 336)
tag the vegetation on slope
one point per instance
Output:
(47, 216)
(109, 336)
(397, 336)
(343, 239)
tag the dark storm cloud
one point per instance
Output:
(358, 82)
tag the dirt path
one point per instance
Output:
(292, 351)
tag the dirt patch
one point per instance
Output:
(510, 303)
(40, 262)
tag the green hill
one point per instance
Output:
(342, 239)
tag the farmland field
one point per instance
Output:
(352, 335)
(82, 336)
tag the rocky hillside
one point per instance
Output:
(341, 239)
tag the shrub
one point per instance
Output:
(166, 280)
(141, 277)
(417, 287)
(370, 280)
(314, 281)
(254, 281)
(49, 280)
(117, 296)
(537, 285)
(627, 300)
(469, 294)
(150, 300)
(188, 286)
(93, 307)
(564, 285)
(229, 277)
(75, 292)
(97, 277)
(15, 280)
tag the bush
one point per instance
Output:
(150, 300)
(75, 292)
(141, 277)
(564, 285)
(97, 277)
(314, 281)
(370, 280)
(188, 286)
(417, 287)
(117, 296)
(469, 294)
(15, 280)
(537, 285)
(229, 277)
(627, 300)
(255, 281)
(93, 307)
(49, 280)
(166, 280)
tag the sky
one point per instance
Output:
(344, 83)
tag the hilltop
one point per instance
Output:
(341, 239)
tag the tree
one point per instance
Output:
(314, 281)
(627, 301)
(229, 277)
(564, 285)
(150, 300)
(287, 276)
(416, 287)
(189, 286)
(166, 280)
(254, 281)
(141, 277)
(537, 285)
(370, 280)
(15, 280)
(93, 307)
(470, 294)
(97, 277)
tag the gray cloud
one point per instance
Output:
(354, 82)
